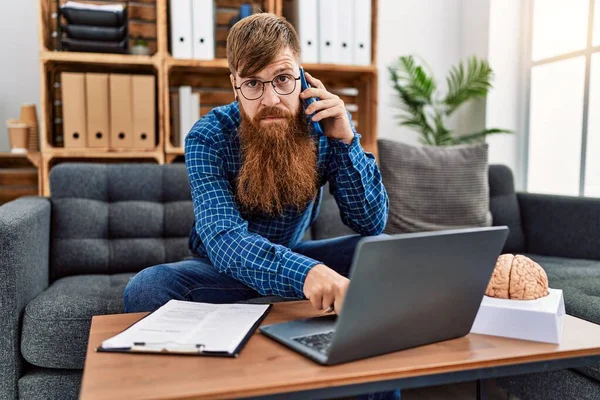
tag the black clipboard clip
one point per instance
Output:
(142, 348)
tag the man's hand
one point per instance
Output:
(325, 288)
(329, 110)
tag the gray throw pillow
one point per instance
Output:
(435, 188)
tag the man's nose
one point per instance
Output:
(270, 97)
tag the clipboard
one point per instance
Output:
(197, 350)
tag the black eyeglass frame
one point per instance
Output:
(272, 82)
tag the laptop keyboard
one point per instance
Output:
(319, 342)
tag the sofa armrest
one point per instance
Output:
(24, 254)
(561, 226)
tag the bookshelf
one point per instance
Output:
(149, 19)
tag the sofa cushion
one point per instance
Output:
(57, 322)
(553, 385)
(504, 206)
(329, 222)
(50, 384)
(118, 218)
(435, 188)
(580, 283)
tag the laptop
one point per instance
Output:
(406, 290)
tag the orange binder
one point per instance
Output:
(73, 109)
(121, 113)
(144, 117)
(98, 132)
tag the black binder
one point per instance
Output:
(198, 350)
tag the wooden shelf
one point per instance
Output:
(58, 152)
(333, 68)
(33, 157)
(176, 151)
(357, 85)
(220, 64)
(98, 58)
(216, 64)
(16, 168)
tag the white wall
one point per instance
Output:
(474, 32)
(20, 67)
(442, 33)
(506, 102)
(429, 29)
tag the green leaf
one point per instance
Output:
(415, 88)
(467, 84)
(479, 136)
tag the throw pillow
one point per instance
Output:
(435, 188)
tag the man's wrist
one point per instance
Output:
(348, 139)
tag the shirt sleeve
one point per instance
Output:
(268, 268)
(355, 183)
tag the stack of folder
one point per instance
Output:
(108, 111)
(94, 28)
(185, 111)
(193, 29)
(332, 31)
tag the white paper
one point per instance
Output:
(86, 6)
(184, 325)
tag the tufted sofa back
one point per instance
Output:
(112, 218)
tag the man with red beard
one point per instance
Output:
(256, 170)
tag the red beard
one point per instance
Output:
(279, 163)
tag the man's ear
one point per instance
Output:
(232, 80)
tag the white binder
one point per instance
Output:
(346, 32)
(303, 14)
(195, 109)
(203, 29)
(362, 32)
(181, 28)
(185, 112)
(328, 32)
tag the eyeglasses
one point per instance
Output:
(253, 89)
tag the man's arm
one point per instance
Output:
(248, 257)
(354, 178)
(356, 184)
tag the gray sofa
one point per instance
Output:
(69, 257)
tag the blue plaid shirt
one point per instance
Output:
(256, 250)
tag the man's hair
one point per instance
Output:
(254, 41)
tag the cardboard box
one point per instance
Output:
(540, 320)
(73, 109)
(97, 110)
(144, 117)
(121, 112)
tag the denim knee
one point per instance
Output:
(147, 290)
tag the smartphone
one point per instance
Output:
(305, 103)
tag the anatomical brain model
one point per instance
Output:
(518, 278)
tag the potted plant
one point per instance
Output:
(140, 47)
(426, 110)
(443, 184)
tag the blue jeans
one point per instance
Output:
(199, 281)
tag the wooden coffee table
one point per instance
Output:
(268, 369)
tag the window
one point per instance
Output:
(564, 133)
